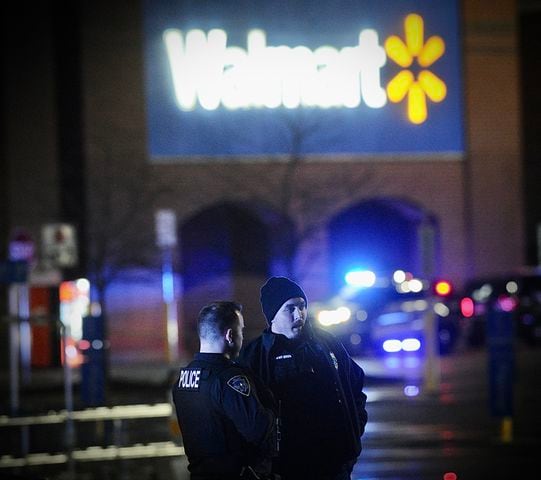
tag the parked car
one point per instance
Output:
(518, 294)
(404, 326)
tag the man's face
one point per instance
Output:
(290, 318)
(237, 336)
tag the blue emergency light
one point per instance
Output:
(360, 278)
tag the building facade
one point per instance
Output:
(82, 144)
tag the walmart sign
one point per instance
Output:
(336, 77)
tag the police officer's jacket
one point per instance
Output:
(320, 390)
(224, 423)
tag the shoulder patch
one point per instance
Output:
(189, 378)
(240, 384)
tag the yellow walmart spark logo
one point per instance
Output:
(427, 84)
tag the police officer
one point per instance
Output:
(227, 420)
(318, 386)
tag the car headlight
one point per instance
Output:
(334, 317)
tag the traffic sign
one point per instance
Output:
(21, 246)
(166, 228)
(59, 245)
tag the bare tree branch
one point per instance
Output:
(296, 199)
(120, 238)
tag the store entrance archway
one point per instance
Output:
(225, 255)
(383, 235)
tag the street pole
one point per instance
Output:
(14, 342)
(166, 240)
(25, 337)
(432, 368)
(171, 307)
(429, 265)
(19, 350)
(19, 340)
(68, 396)
(502, 365)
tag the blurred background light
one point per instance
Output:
(392, 345)
(410, 344)
(361, 278)
(411, 390)
(467, 308)
(334, 317)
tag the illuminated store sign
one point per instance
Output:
(217, 89)
(270, 77)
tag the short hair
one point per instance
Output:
(216, 317)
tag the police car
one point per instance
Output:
(386, 315)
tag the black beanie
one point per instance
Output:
(275, 292)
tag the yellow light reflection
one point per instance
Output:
(434, 48)
(417, 111)
(404, 83)
(398, 87)
(398, 52)
(414, 28)
(434, 87)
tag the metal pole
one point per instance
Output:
(68, 399)
(14, 347)
(25, 338)
(169, 298)
(166, 239)
(432, 368)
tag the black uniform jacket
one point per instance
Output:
(320, 391)
(223, 422)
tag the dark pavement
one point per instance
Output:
(445, 433)
(451, 433)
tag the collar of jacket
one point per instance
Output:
(269, 338)
(215, 358)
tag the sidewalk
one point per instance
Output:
(45, 390)
(152, 375)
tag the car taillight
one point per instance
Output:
(467, 307)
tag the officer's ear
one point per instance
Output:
(229, 336)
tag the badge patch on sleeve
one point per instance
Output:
(240, 384)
